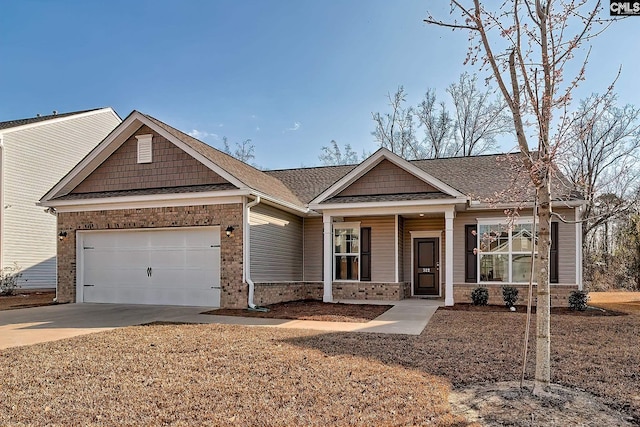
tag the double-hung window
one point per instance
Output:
(346, 251)
(505, 252)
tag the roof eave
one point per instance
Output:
(478, 205)
(397, 203)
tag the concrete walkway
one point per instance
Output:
(49, 323)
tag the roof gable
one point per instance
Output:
(377, 176)
(386, 178)
(171, 167)
(228, 168)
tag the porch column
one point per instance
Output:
(448, 274)
(327, 246)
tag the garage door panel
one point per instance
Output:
(184, 266)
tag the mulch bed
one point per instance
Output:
(26, 299)
(590, 311)
(311, 310)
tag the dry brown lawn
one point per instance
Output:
(231, 375)
(628, 302)
(25, 299)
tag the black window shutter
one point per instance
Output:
(365, 254)
(553, 257)
(470, 259)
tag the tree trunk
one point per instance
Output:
(543, 305)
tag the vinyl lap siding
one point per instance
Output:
(383, 258)
(276, 245)
(566, 249)
(35, 160)
(313, 255)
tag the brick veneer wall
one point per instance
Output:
(233, 292)
(370, 290)
(273, 293)
(559, 294)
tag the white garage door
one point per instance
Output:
(165, 267)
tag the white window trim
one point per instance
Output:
(341, 226)
(145, 142)
(509, 253)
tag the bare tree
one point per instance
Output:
(526, 46)
(396, 130)
(332, 155)
(479, 117)
(438, 127)
(244, 151)
(604, 158)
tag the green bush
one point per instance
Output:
(578, 300)
(480, 296)
(509, 295)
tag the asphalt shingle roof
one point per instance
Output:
(248, 175)
(21, 122)
(307, 183)
(495, 177)
(388, 197)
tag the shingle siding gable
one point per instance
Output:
(171, 167)
(387, 178)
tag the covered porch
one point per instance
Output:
(389, 252)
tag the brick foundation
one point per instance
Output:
(371, 290)
(233, 292)
(559, 294)
(273, 293)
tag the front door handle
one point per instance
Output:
(149, 271)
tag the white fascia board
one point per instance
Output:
(371, 162)
(289, 207)
(148, 201)
(388, 209)
(477, 205)
(193, 153)
(391, 204)
(61, 119)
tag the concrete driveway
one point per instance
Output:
(49, 323)
(39, 324)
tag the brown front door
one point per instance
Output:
(426, 266)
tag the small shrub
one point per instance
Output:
(509, 295)
(578, 300)
(480, 296)
(9, 279)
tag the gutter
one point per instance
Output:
(247, 252)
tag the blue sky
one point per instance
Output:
(290, 75)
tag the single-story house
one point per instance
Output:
(35, 153)
(154, 216)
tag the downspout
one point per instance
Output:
(247, 252)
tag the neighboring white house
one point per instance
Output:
(35, 153)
